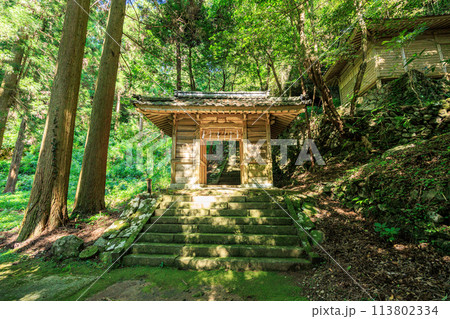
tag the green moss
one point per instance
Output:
(254, 285)
(10, 219)
(29, 277)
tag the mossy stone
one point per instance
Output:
(318, 235)
(89, 252)
(116, 227)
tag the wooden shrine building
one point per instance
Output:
(194, 119)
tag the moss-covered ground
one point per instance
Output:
(39, 279)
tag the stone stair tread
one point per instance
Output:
(219, 250)
(221, 212)
(222, 220)
(222, 234)
(223, 205)
(228, 229)
(180, 245)
(208, 263)
(220, 238)
(220, 228)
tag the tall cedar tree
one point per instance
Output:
(9, 85)
(16, 158)
(47, 207)
(90, 197)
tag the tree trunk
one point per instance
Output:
(363, 66)
(16, 158)
(116, 124)
(178, 57)
(268, 78)
(272, 66)
(209, 81)
(234, 77)
(9, 85)
(118, 103)
(224, 77)
(312, 65)
(47, 207)
(258, 72)
(90, 196)
(191, 72)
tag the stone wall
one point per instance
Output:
(302, 209)
(123, 232)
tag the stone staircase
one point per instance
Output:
(219, 229)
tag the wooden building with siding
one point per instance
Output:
(428, 52)
(194, 118)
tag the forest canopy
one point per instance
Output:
(281, 46)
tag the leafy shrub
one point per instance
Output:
(390, 233)
(408, 188)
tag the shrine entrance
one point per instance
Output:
(223, 162)
(220, 155)
(214, 134)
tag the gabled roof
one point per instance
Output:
(159, 110)
(387, 28)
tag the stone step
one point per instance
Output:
(221, 212)
(226, 229)
(220, 238)
(221, 220)
(225, 191)
(210, 263)
(203, 198)
(217, 228)
(257, 205)
(222, 205)
(184, 250)
(192, 205)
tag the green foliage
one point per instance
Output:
(389, 233)
(233, 46)
(408, 188)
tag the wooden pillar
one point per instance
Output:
(269, 168)
(244, 165)
(173, 165)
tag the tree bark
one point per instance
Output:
(90, 196)
(363, 66)
(234, 77)
(118, 103)
(178, 57)
(191, 72)
(258, 72)
(312, 65)
(16, 158)
(117, 117)
(47, 207)
(9, 85)
(272, 66)
(224, 77)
